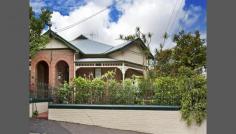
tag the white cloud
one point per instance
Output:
(37, 5)
(150, 15)
(192, 15)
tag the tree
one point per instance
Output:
(164, 59)
(146, 38)
(36, 25)
(190, 50)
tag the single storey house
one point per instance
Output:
(61, 60)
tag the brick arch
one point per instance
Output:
(42, 76)
(34, 63)
(70, 64)
(52, 57)
(62, 69)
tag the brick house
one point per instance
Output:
(62, 60)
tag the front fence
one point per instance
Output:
(42, 92)
(92, 96)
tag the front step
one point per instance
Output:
(43, 116)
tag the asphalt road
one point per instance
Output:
(55, 127)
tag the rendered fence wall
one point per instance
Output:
(149, 121)
(40, 106)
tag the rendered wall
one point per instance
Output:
(149, 121)
(40, 106)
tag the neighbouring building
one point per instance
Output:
(62, 60)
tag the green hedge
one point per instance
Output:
(187, 91)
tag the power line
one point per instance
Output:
(72, 25)
(176, 15)
(167, 26)
(81, 21)
(185, 15)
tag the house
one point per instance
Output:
(62, 60)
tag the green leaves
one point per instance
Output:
(194, 99)
(189, 51)
(166, 91)
(36, 25)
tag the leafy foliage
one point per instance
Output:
(36, 25)
(35, 114)
(65, 93)
(194, 99)
(167, 92)
(146, 38)
(190, 50)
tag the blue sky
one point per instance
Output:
(118, 15)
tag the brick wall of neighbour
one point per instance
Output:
(149, 121)
(52, 57)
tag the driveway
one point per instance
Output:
(39, 126)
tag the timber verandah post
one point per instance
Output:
(123, 70)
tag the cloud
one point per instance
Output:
(192, 15)
(37, 5)
(150, 15)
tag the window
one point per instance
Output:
(98, 72)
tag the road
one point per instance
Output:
(38, 126)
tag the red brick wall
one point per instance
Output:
(52, 57)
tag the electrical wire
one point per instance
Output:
(81, 21)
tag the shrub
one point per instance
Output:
(64, 93)
(97, 90)
(145, 91)
(194, 100)
(82, 90)
(127, 94)
(166, 91)
(113, 89)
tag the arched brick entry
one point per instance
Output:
(42, 72)
(130, 72)
(42, 81)
(62, 72)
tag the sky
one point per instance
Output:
(123, 16)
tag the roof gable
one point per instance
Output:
(55, 44)
(90, 47)
(123, 46)
(61, 39)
